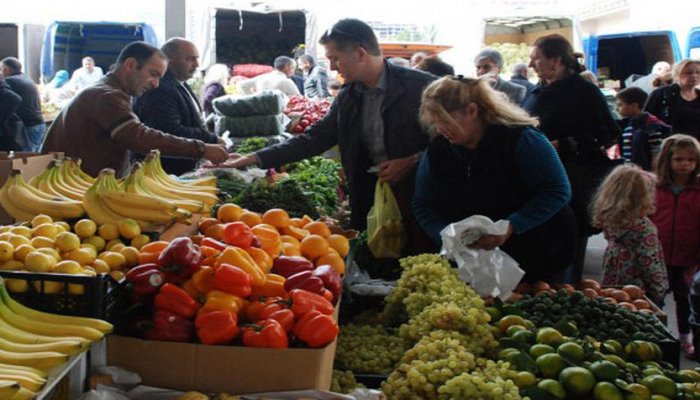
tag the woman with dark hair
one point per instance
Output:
(678, 104)
(576, 119)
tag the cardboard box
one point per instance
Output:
(232, 369)
(30, 164)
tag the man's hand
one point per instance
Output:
(215, 153)
(220, 141)
(393, 171)
(555, 143)
(236, 160)
(490, 242)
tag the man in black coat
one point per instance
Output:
(374, 121)
(30, 109)
(173, 106)
(13, 134)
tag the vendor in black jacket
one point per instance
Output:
(374, 121)
(173, 107)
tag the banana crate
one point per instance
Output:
(85, 296)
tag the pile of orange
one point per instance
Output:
(294, 236)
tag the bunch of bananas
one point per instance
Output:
(63, 179)
(34, 342)
(106, 202)
(23, 201)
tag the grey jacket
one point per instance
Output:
(516, 93)
(316, 83)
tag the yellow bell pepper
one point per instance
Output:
(217, 300)
(263, 259)
(240, 258)
(273, 287)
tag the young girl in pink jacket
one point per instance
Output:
(677, 219)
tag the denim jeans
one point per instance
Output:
(36, 136)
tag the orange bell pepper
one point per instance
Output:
(203, 279)
(209, 251)
(239, 258)
(191, 289)
(150, 251)
(273, 287)
(269, 240)
(261, 257)
(217, 300)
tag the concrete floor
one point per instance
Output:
(593, 269)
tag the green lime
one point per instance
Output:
(514, 328)
(616, 359)
(549, 336)
(652, 371)
(550, 364)
(525, 379)
(641, 350)
(660, 384)
(577, 381)
(539, 349)
(572, 351)
(612, 346)
(510, 320)
(524, 336)
(552, 387)
(606, 391)
(494, 312)
(605, 370)
(503, 354)
(692, 374)
(637, 392)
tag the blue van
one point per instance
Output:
(66, 43)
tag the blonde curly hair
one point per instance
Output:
(626, 194)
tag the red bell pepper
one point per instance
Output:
(172, 298)
(145, 279)
(290, 265)
(213, 243)
(304, 302)
(217, 327)
(238, 234)
(331, 280)
(180, 260)
(267, 333)
(304, 280)
(315, 329)
(254, 308)
(233, 280)
(284, 316)
(170, 327)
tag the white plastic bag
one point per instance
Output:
(489, 272)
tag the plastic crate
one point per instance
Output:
(100, 297)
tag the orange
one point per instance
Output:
(334, 260)
(318, 228)
(215, 231)
(289, 249)
(313, 246)
(276, 217)
(206, 223)
(229, 212)
(296, 222)
(340, 243)
(250, 218)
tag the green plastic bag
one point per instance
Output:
(385, 233)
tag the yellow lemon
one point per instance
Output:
(96, 241)
(17, 285)
(63, 226)
(128, 228)
(110, 246)
(22, 231)
(21, 252)
(6, 251)
(12, 265)
(116, 275)
(85, 228)
(67, 241)
(41, 219)
(6, 236)
(131, 255)
(46, 230)
(100, 266)
(5, 228)
(50, 252)
(42, 241)
(108, 232)
(140, 240)
(68, 267)
(84, 256)
(37, 261)
(18, 240)
(115, 260)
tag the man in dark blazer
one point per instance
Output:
(173, 107)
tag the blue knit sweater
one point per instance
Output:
(541, 173)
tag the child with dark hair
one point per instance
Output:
(643, 132)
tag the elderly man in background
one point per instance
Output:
(315, 77)
(519, 76)
(173, 107)
(279, 78)
(100, 127)
(489, 62)
(30, 109)
(86, 75)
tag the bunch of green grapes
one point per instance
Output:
(426, 367)
(429, 258)
(446, 316)
(490, 381)
(447, 290)
(368, 349)
(344, 382)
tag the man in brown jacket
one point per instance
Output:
(100, 127)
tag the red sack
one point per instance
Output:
(250, 70)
